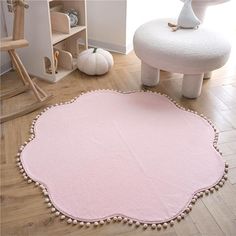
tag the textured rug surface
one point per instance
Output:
(109, 154)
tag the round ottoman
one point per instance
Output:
(194, 53)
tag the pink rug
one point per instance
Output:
(136, 158)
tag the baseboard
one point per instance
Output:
(108, 46)
(5, 68)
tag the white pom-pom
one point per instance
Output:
(165, 225)
(153, 226)
(41, 186)
(130, 222)
(95, 223)
(172, 223)
(179, 218)
(57, 213)
(62, 217)
(145, 226)
(69, 221)
(137, 223)
(75, 222)
(87, 224)
(159, 226)
(81, 224)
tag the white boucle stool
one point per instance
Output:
(194, 53)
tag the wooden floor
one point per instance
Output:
(23, 211)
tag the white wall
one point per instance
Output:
(141, 11)
(112, 23)
(5, 60)
(107, 24)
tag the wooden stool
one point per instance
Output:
(10, 44)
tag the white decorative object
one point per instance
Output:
(74, 17)
(187, 19)
(200, 6)
(95, 61)
(193, 53)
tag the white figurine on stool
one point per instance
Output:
(187, 18)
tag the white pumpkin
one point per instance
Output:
(95, 61)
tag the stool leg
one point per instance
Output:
(192, 85)
(149, 75)
(207, 75)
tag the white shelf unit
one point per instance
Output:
(47, 28)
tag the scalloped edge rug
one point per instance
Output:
(66, 157)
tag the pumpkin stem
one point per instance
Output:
(94, 50)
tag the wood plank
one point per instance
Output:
(9, 44)
(25, 110)
(14, 92)
(187, 227)
(228, 193)
(232, 175)
(221, 213)
(204, 221)
(60, 22)
(58, 36)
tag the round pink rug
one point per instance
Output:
(134, 157)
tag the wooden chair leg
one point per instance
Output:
(14, 62)
(42, 97)
(25, 74)
(40, 90)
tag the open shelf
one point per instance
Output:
(50, 18)
(58, 36)
(62, 72)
